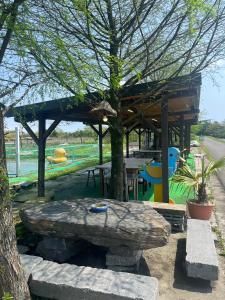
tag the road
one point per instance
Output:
(217, 150)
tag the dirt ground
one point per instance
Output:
(167, 265)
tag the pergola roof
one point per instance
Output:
(138, 101)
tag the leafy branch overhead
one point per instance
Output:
(87, 45)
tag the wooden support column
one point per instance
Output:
(149, 138)
(170, 134)
(139, 139)
(155, 141)
(175, 137)
(164, 125)
(101, 135)
(182, 133)
(100, 139)
(41, 143)
(127, 144)
(41, 157)
(188, 137)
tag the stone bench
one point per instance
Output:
(201, 256)
(175, 214)
(70, 282)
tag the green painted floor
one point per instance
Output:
(78, 189)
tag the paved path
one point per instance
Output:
(217, 150)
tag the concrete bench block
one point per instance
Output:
(124, 251)
(201, 258)
(29, 263)
(70, 282)
(117, 260)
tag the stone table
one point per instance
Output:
(125, 229)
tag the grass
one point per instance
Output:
(74, 151)
(56, 171)
(221, 241)
(216, 139)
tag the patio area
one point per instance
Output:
(74, 186)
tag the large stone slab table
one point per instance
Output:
(126, 228)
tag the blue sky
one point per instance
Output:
(211, 103)
(213, 96)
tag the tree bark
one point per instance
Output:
(116, 127)
(12, 279)
(117, 175)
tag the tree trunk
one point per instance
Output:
(12, 279)
(117, 176)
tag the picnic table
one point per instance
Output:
(133, 165)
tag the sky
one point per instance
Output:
(212, 101)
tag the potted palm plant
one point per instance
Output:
(201, 206)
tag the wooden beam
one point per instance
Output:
(129, 129)
(148, 123)
(175, 130)
(180, 113)
(164, 125)
(105, 132)
(41, 157)
(94, 128)
(30, 132)
(51, 128)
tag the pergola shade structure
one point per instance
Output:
(164, 108)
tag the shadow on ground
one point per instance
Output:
(181, 281)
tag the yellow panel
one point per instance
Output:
(155, 172)
(158, 193)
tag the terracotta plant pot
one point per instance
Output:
(200, 211)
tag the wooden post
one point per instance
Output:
(164, 125)
(139, 139)
(182, 133)
(127, 144)
(155, 141)
(149, 139)
(170, 137)
(41, 157)
(17, 142)
(188, 138)
(100, 144)
(41, 143)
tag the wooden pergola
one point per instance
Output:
(164, 110)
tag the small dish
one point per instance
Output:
(99, 207)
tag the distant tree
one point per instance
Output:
(211, 128)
